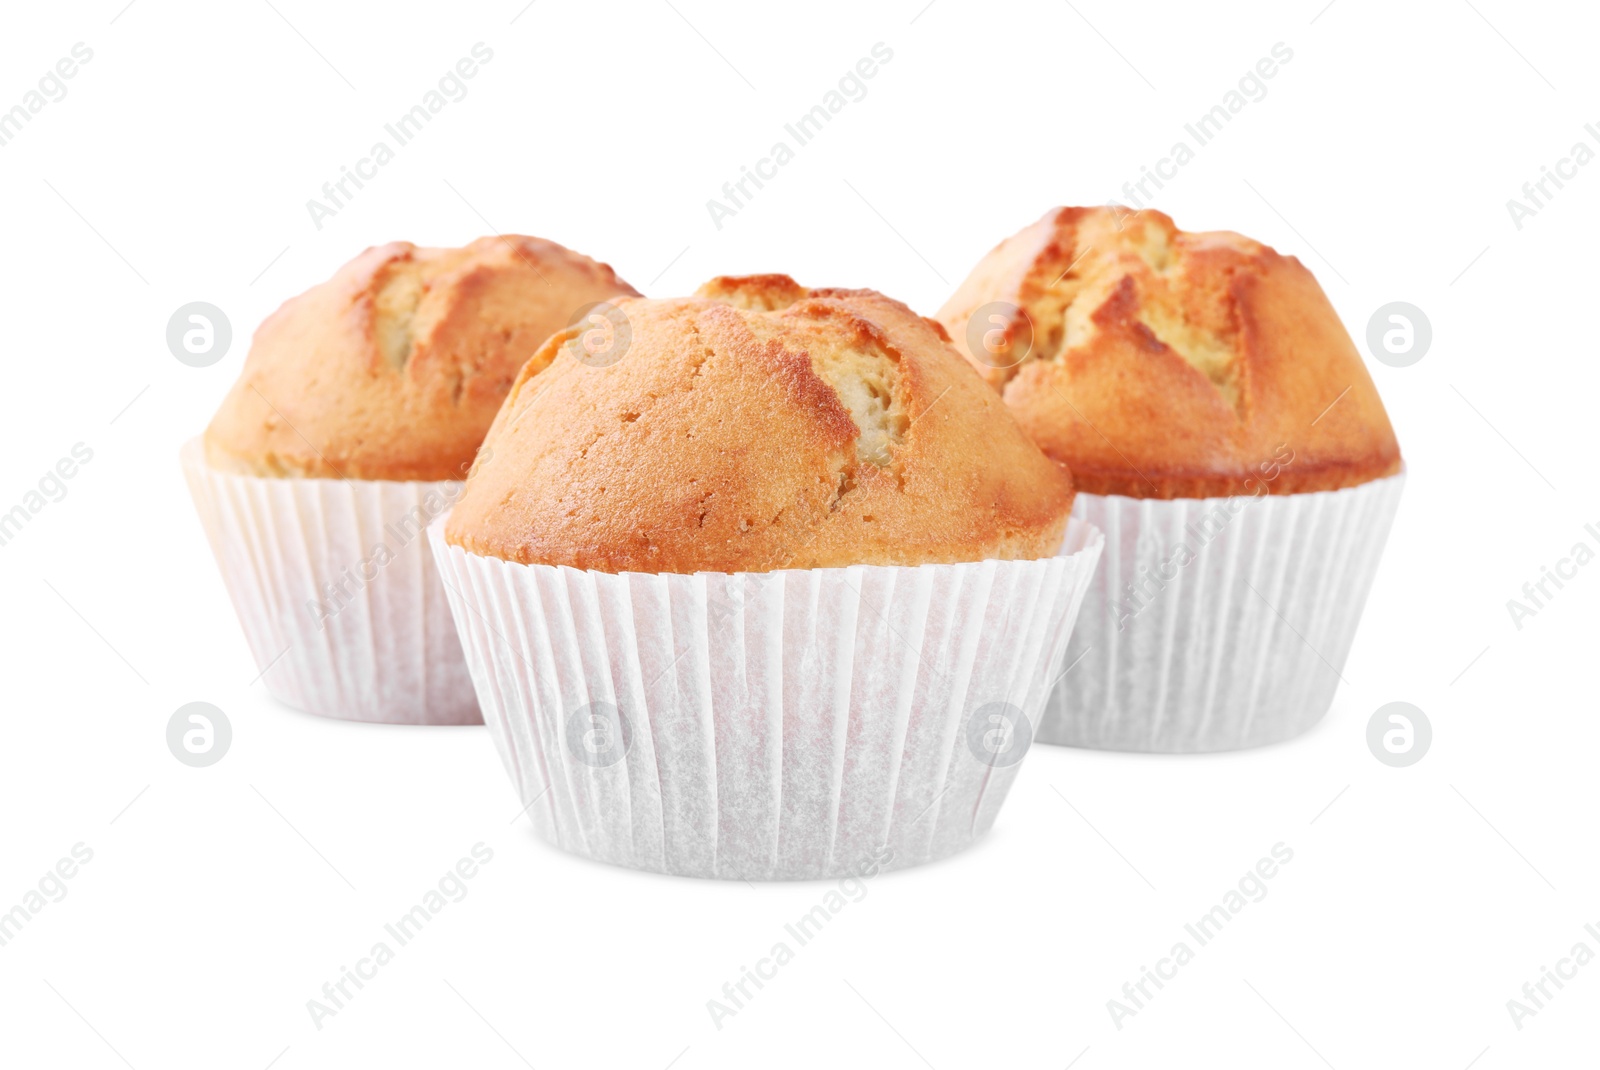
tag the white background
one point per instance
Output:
(220, 900)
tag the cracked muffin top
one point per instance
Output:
(395, 367)
(1162, 364)
(757, 426)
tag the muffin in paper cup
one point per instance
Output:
(1224, 433)
(337, 593)
(1217, 623)
(359, 411)
(777, 725)
(763, 583)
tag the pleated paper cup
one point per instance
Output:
(1217, 623)
(794, 724)
(337, 593)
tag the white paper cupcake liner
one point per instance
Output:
(1217, 623)
(337, 593)
(795, 724)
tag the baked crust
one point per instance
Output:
(1163, 364)
(394, 368)
(758, 426)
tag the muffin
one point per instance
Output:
(760, 426)
(772, 593)
(1225, 434)
(357, 415)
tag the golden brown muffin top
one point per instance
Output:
(395, 367)
(756, 426)
(1163, 364)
